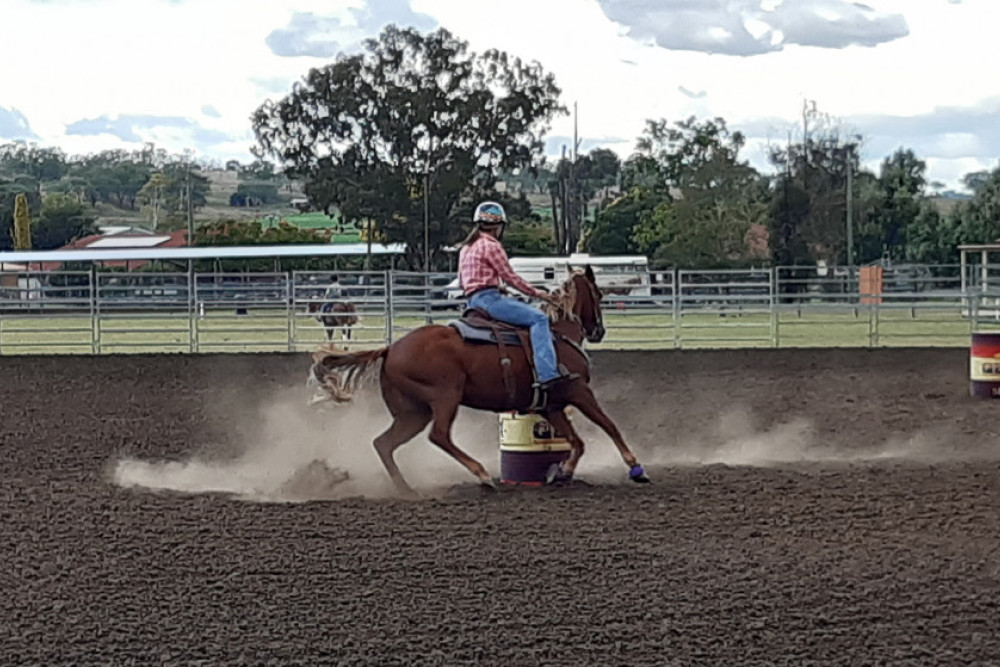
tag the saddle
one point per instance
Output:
(478, 326)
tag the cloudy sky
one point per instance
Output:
(87, 75)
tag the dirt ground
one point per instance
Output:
(809, 507)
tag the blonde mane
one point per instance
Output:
(565, 300)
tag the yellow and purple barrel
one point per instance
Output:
(528, 448)
(984, 364)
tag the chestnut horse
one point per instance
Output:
(340, 315)
(426, 375)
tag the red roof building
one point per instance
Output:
(125, 241)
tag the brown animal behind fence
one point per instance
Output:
(340, 315)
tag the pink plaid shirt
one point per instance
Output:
(484, 263)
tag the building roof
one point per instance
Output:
(51, 260)
(138, 256)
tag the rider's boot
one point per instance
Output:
(554, 389)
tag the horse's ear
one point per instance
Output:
(588, 273)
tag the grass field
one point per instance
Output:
(271, 330)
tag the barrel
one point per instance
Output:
(984, 364)
(528, 448)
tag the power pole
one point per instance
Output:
(850, 201)
(427, 218)
(190, 209)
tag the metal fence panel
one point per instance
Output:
(116, 311)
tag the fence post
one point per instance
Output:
(192, 308)
(873, 325)
(773, 307)
(389, 310)
(289, 309)
(676, 306)
(95, 346)
(96, 308)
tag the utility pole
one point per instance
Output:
(190, 209)
(427, 218)
(850, 201)
(573, 222)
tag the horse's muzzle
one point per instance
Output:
(597, 335)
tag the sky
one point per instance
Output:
(89, 75)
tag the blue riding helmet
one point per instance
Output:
(489, 213)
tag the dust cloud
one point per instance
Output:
(292, 452)
(736, 439)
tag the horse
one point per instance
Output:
(427, 374)
(331, 322)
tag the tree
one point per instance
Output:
(527, 238)
(710, 199)
(902, 181)
(42, 164)
(932, 237)
(414, 120)
(254, 194)
(976, 181)
(234, 232)
(809, 200)
(10, 189)
(152, 198)
(114, 177)
(63, 219)
(978, 220)
(22, 223)
(613, 231)
(227, 232)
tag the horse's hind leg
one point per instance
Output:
(560, 422)
(405, 426)
(445, 409)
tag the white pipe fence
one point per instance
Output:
(95, 312)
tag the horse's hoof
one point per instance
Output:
(488, 484)
(638, 475)
(556, 476)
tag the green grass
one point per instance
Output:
(269, 330)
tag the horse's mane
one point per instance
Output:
(566, 297)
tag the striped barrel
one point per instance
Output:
(984, 365)
(528, 448)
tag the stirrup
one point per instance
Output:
(559, 379)
(540, 390)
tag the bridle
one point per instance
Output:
(598, 330)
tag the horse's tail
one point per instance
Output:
(338, 373)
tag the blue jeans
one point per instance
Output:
(521, 314)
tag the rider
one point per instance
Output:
(332, 294)
(333, 291)
(482, 265)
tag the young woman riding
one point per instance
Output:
(483, 266)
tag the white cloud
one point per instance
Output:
(746, 28)
(14, 125)
(190, 73)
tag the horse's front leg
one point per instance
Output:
(584, 400)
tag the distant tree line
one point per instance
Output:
(406, 136)
(67, 195)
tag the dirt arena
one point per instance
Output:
(809, 507)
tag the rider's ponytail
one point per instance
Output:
(471, 238)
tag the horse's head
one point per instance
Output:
(582, 300)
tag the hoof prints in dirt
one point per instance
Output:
(891, 562)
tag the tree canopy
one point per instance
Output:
(371, 132)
